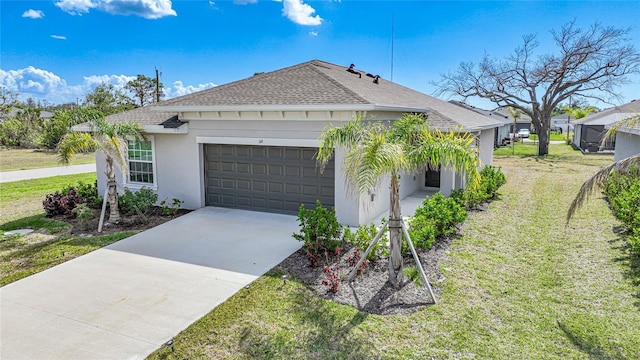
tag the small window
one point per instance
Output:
(140, 155)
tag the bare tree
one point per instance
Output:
(589, 63)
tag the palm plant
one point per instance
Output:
(600, 177)
(111, 139)
(375, 151)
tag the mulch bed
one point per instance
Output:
(152, 218)
(370, 291)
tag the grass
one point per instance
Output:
(519, 283)
(24, 255)
(19, 199)
(553, 136)
(24, 159)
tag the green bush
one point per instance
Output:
(171, 208)
(491, 179)
(438, 215)
(138, 202)
(363, 237)
(623, 194)
(15, 132)
(319, 230)
(88, 192)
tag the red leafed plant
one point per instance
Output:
(332, 282)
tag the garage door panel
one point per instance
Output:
(273, 179)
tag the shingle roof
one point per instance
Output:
(145, 116)
(623, 111)
(317, 84)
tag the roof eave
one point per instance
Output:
(151, 129)
(323, 107)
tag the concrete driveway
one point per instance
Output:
(127, 299)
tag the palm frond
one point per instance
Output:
(629, 122)
(74, 143)
(347, 135)
(598, 180)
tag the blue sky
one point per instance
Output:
(59, 50)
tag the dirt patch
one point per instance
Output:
(370, 291)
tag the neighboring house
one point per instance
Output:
(45, 115)
(561, 123)
(502, 134)
(250, 144)
(627, 142)
(589, 131)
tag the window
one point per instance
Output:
(141, 162)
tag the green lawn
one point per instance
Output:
(519, 284)
(50, 244)
(20, 199)
(553, 136)
(24, 159)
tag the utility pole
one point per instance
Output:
(157, 85)
(392, 26)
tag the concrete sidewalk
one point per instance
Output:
(9, 176)
(127, 299)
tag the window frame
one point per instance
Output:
(134, 185)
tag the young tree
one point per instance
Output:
(375, 151)
(144, 89)
(588, 63)
(108, 100)
(111, 139)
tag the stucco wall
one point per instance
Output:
(626, 145)
(179, 157)
(486, 147)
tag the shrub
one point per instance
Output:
(491, 179)
(363, 237)
(332, 282)
(436, 216)
(171, 208)
(136, 202)
(58, 204)
(319, 230)
(623, 194)
(15, 132)
(84, 214)
(87, 192)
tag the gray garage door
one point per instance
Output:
(265, 178)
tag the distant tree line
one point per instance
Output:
(22, 124)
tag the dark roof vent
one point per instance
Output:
(353, 71)
(376, 78)
(370, 75)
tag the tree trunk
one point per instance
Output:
(114, 211)
(543, 138)
(395, 234)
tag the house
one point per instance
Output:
(561, 123)
(590, 130)
(250, 144)
(503, 132)
(627, 142)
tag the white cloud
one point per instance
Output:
(178, 89)
(76, 7)
(33, 14)
(300, 13)
(59, 37)
(39, 84)
(148, 9)
(313, 33)
(244, 2)
(45, 85)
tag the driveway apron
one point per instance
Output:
(127, 299)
